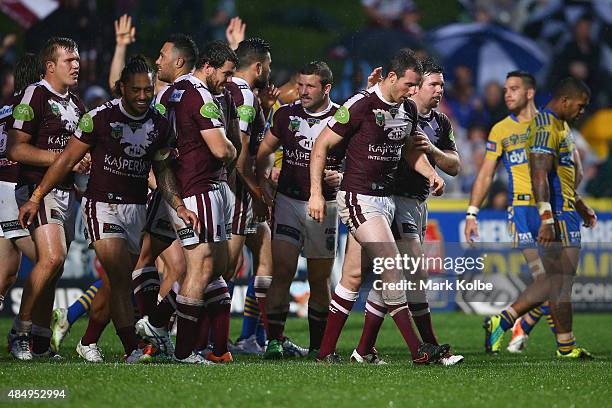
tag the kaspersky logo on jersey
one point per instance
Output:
(517, 156)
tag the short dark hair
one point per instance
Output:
(528, 79)
(136, 65)
(402, 60)
(252, 50)
(571, 88)
(215, 53)
(430, 66)
(320, 69)
(49, 51)
(27, 71)
(186, 47)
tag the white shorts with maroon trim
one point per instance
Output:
(210, 209)
(229, 201)
(57, 207)
(159, 222)
(9, 213)
(291, 223)
(105, 220)
(243, 222)
(355, 209)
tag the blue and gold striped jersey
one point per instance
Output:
(507, 141)
(550, 135)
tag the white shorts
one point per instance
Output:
(159, 222)
(57, 207)
(9, 213)
(410, 221)
(105, 220)
(355, 209)
(210, 209)
(229, 201)
(291, 223)
(243, 222)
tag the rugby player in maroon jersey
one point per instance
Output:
(375, 125)
(203, 150)
(14, 240)
(411, 190)
(43, 120)
(126, 137)
(250, 211)
(295, 127)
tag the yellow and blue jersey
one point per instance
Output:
(507, 142)
(551, 135)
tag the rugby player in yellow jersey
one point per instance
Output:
(555, 173)
(506, 143)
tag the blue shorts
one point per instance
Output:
(567, 228)
(523, 225)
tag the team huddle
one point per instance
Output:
(182, 176)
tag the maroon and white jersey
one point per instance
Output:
(50, 118)
(297, 129)
(376, 130)
(228, 108)
(9, 170)
(252, 120)
(192, 108)
(122, 149)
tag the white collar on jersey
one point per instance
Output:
(122, 109)
(378, 92)
(53, 91)
(182, 77)
(323, 112)
(240, 81)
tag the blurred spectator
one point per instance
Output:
(597, 130)
(226, 9)
(8, 54)
(7, 83)
(600, 185)
(399, 14)
(461, 97)
(472, 152)
(498, 196)
(580, 58)
(493, 106)
(95, 96)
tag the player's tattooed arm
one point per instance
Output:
(233, 134)
(166, 182)
(539, 166)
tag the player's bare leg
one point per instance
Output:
(174, 267)
(51, 250)
(10, 253)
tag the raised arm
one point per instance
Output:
(125, 34)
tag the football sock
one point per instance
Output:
(218, 304)
(565, 344)
(342, 302)
(145, 282)
(93, 332)
(83, 304)
(203, 331)
(374, 317)
(401, 317)
(317, 319)
(250, 316)
(421, 315)
(507, 318)
(549, 319)
(128, 338)
(261, 285)
(188, 312)
(529, 321)
(260, 333)
(41, 339)
(165, 308)
(276, 324)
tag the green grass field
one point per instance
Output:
(534, 378)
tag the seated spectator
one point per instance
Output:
(462, 98)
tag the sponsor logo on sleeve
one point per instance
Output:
(491, 146)
(342, 115)
(246, 113)
(210, 110)
(86, 123)
(23, 112)
(160, 108)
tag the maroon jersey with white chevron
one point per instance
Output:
(192, 108)
(9, 170)
(122, 149)
(297, 129)
(376, 130)
(50, 118)
(252, 120)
